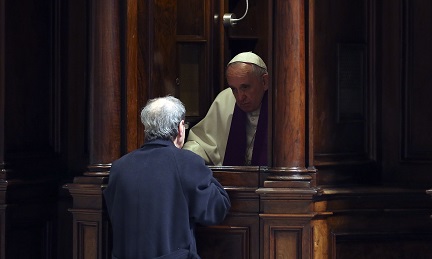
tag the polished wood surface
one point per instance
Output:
(134, 103)
(289, 85)
(105, 95)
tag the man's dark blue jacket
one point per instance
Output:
(155, 196)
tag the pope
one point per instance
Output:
(234, 130)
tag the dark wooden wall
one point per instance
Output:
(404, 57)
(33, 143)
(351, 124)
(384, 139)
(344, 95)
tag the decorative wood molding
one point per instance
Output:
(91, 230)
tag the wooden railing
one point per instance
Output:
(281, 214)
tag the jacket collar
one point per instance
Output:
(159, 142)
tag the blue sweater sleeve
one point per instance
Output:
(208, 201)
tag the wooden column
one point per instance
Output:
(287, 197)
(289, 85)
(91, 237)
(105, 94)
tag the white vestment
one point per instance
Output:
(208, 138)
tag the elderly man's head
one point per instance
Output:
(247, 77)
(163, 118)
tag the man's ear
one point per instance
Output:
(265, 81)
(182, 128)
(180, 139)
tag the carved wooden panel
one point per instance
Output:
(381, 245)
(416, 86)
(31, 104)
(406, 115)
(342, 90)
(286, 236)
(27, 220)
(30, 239)
(91, 234)
(162, 29)
(236, 237)
(377, 222)
(91, 229)
(223, 242)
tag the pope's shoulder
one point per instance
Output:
(225, 97)
(226, 93)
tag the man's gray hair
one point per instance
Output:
(161, 117)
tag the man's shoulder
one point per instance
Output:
(188, 156)
(125, 157)
(186, 153)
(165, 154)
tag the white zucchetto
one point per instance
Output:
(248, 57)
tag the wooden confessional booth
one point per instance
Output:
(330, 191)
(350, 131)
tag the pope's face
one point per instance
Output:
(247, 87)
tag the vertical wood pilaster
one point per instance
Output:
(289, 108)
(91, 237)
(104, 82)
(288, 193)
